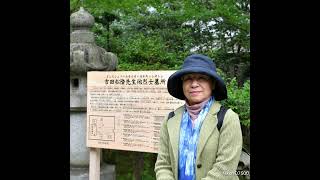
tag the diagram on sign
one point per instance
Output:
(102, 128)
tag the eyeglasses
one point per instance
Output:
(198, 77)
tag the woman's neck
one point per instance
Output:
(195, 109)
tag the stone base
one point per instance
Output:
(107, 172)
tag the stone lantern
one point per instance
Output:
(85, 56)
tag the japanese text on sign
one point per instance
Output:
(125, 109)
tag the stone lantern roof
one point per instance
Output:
(85, 55)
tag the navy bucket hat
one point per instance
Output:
(197, 63)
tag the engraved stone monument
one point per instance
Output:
(85, 56)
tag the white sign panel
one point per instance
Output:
(125, 109)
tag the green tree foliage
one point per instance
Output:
(239, 100)
(218, 28)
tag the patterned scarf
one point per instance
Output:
(188, 142)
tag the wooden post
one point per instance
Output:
(138, 166)
(94, 166)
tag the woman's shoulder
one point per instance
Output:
(178, 110)
(230, 112)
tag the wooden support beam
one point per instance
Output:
(94, 166)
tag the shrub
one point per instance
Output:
(239, 100)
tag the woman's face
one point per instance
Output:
(197, 87)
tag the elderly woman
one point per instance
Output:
(191, 146)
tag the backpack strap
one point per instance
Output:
(171, 114)
(220, 115)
